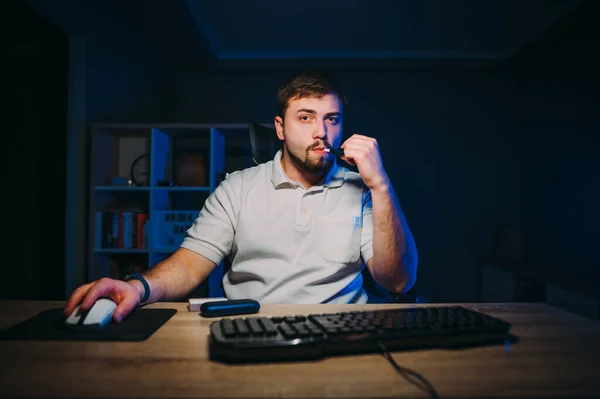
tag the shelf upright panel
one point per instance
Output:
(217, 166)
(159, 199)
(217, 156)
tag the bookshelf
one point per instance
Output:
(148, 182)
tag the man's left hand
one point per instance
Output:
(363, 152)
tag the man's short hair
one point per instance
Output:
(307, 84)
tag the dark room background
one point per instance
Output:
(479, 153)
(34, 76)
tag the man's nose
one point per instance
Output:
(320, 131)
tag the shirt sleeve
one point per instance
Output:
(211, 235)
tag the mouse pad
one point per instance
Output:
(49, 326)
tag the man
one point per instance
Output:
(297, 229)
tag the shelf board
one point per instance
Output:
(120, 188)
(121, 251)
(111, 125)
(166, 188)
(155, 188)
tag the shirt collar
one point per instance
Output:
(334, 178)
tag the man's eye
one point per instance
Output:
(304, 118)
(334, 119)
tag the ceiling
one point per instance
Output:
(243, 34)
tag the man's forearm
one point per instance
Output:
(170, 279)
(389, 242)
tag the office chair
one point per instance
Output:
(265, 144)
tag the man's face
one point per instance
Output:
(310, 125)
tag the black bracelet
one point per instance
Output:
(137, 276)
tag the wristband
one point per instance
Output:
(137, 276)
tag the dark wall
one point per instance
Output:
(34, 56)
(558, 87)
(121, 87)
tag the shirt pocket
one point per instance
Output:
(339, 238)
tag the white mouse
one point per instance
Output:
(97, 316)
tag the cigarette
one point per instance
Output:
(335, 151)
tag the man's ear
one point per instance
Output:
(279, 127)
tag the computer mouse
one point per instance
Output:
(96, 317)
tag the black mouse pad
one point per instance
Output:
(49, 326)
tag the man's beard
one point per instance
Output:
(318, 166)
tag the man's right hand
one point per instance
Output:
(126, 295)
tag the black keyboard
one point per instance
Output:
(260, 339)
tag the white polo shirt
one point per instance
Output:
(287, 244)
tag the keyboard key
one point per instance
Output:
(268, 325)
(255, 327)
(241, 327)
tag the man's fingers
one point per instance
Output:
(88, 294)
(75, 298)
(357, 150)
(360, 144)
(348, 157)
(348, 152)
(100, 289)
(357, 138)
(350, 161)
(125, 307)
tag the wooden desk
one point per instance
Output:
(558, 356)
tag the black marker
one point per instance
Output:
(335, 151)
(230, 307)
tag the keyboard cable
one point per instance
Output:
(410, 375)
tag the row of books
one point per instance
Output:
(126, 229)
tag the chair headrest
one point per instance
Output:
(264, 142)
